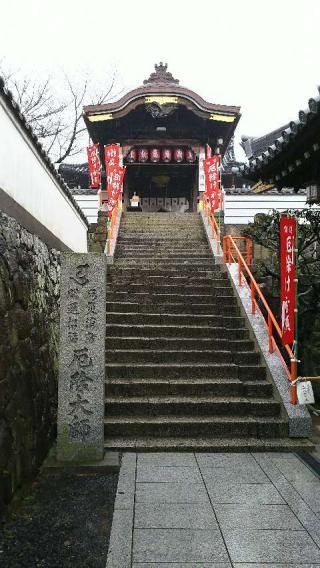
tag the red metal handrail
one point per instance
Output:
(216, 235)
(230, 247)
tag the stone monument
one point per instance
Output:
(82, 357)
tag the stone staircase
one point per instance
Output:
(181, 369)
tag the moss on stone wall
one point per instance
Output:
(29, 328)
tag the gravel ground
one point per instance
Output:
(63, 522)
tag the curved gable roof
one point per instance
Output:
(162, 83)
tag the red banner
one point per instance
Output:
(94, 165)
(287, 277)
(111, 155)
(212, 177)
(114, 183)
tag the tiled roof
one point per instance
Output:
(273, 191)
(255, 146)
(14, 108)
(161, 82)
(269, 147)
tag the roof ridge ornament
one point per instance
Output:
(161, 75)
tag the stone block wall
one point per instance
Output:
(97, 234)
(29, 328)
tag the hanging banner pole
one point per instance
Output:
(219, 210)
(288, 229)
(287, 277)
(296, 313)
(94, 165)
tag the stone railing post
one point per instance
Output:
(82, 357)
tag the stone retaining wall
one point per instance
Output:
(29, 327)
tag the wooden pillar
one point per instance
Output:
(194, 191)
(125, 197)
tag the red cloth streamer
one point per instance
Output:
(111, 155)
(208, 151)
(212, 178)
(114, 183)
(287, 277)
(94, 165)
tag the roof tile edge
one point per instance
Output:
(14, 108)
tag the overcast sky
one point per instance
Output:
(260, 54)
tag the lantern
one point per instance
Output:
(154, 154)
(143, 155)
(166, 155)
(178, 155)
(132, 155)
(190, 157)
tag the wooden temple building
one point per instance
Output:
(163, 129)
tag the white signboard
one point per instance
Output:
(202, 156)
(305, 392)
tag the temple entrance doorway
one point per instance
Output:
(162, 187)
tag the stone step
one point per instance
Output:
(165, 261)
(179, 308)
(160, 254)
(124, 295)
(166, 280)
(152, 225)
(170, 240)
(166, 233)
(200, 405)
(172, 370)
(193, 426)
(177, 331)
(207, 444)
(175, 319)
(163, 247)
(122, 370)
(250, 371)
(214, 289)
(181, 356)
(156, 245)
(159, 214)
(161, 221)
(187, 387)
(155, 222)
(181, 272)
(202, 252)
(186, 343)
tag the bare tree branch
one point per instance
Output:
(55, 113)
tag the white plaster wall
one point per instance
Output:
(241, 209)
(25, 179)
(89, 205)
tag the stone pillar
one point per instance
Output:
(82, 357)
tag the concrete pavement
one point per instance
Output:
(215, 510)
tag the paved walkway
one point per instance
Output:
(215, 511)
